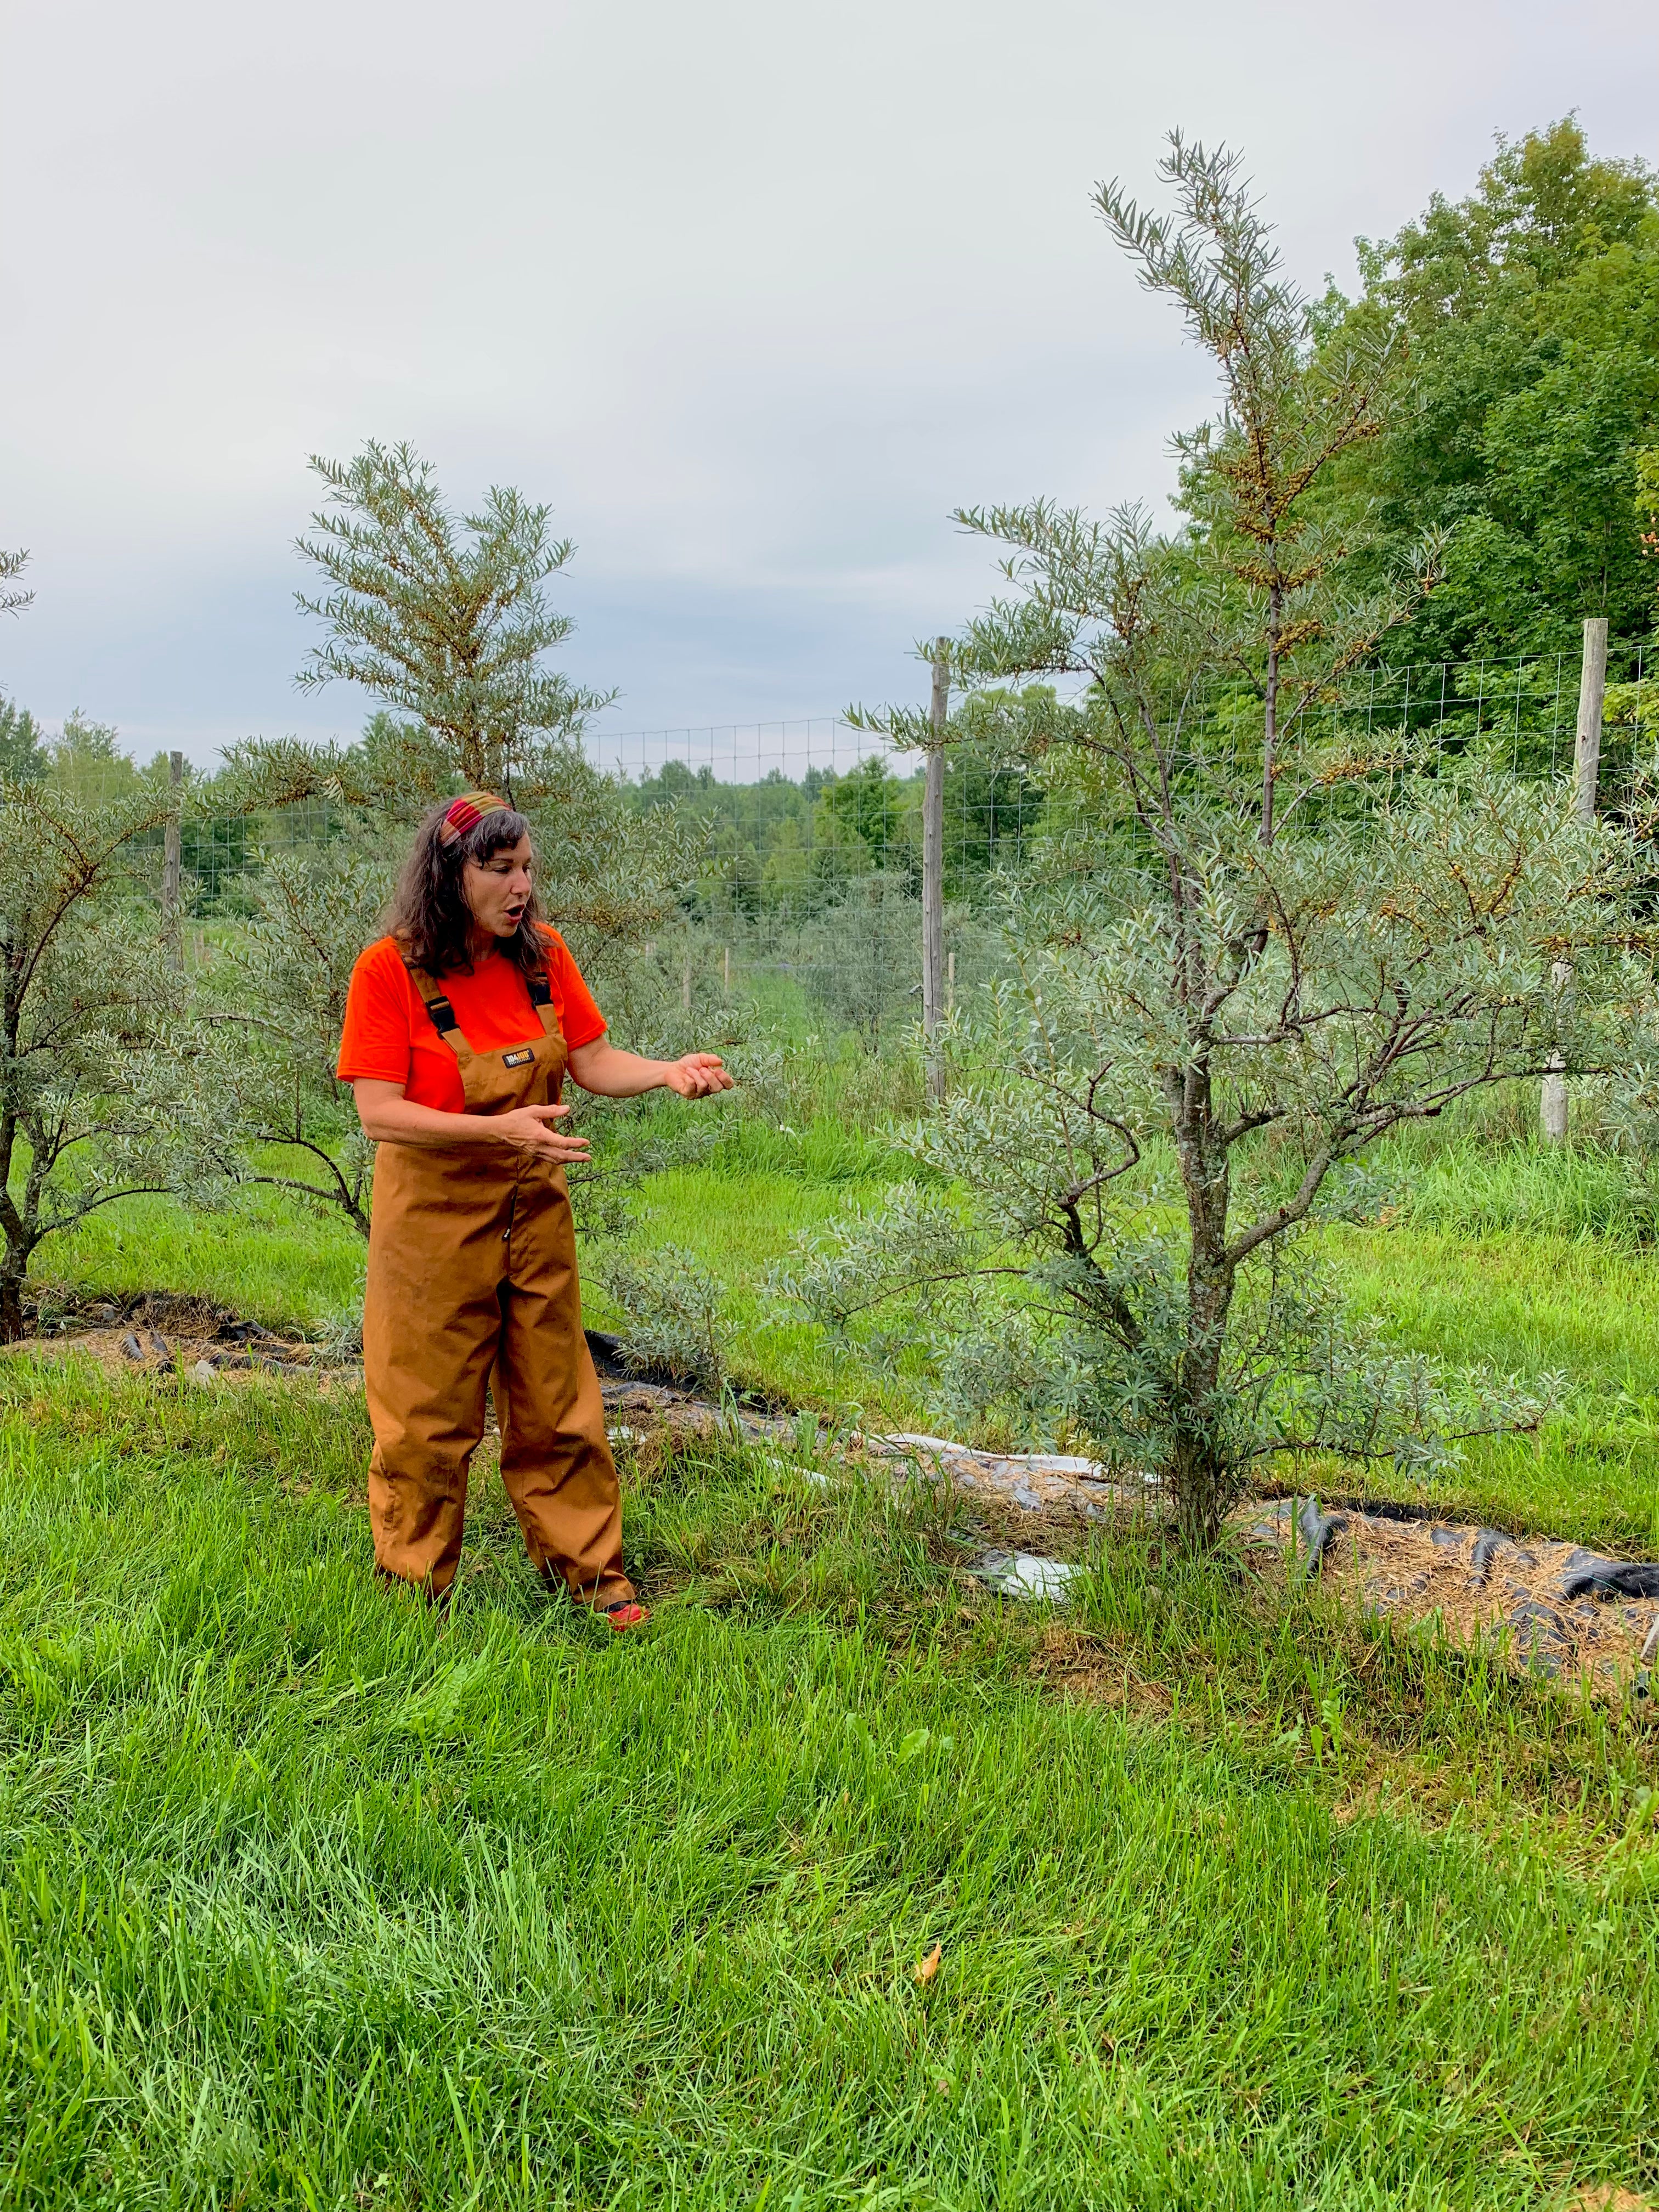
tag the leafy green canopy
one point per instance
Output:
(786, 851)
(1524, 318)
(23, 753)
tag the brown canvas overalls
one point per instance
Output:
(472, 1267)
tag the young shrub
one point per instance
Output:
(276, 1005)
(859, 955)
(100, 1096)
(674, 1322)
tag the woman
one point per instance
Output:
(458, 1028)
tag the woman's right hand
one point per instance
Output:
(389, 1118)
(530, 1129)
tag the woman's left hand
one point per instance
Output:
(696, 1075)
(599, 1068)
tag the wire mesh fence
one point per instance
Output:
(812, 871)
(810, 881)
(807, 883)
(1522, 709)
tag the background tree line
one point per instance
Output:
(1524, 325)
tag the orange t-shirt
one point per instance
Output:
(388, 1034)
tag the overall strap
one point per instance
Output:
(432, 998)
(541, 998)
(443, 1014)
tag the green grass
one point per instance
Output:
(740, 1216)
(310, 1898)
(1481, 1191)
(267, 1258)
(1529, 1305)
(1520, 1259)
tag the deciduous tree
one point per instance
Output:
(1268, 948)
(98, 1096)
(1525, 324)
(446, 620)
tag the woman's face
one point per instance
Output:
(497, 890)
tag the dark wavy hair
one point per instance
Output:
(430, 917)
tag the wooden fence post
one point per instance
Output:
(170, 861)
(1586, 767)
(933, 868)
(1592, 698)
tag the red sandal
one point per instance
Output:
(627, 1613)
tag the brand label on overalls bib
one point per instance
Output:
(518, 1059)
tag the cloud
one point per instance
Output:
(754, 294)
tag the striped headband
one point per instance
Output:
(467, 812)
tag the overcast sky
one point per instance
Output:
(753, 294)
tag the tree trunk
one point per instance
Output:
(1201, 1484)
(1200, 1478)
(14, 1266)
(1199, 1481)
(932, 871)
(1270, 705)
(171, 852)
